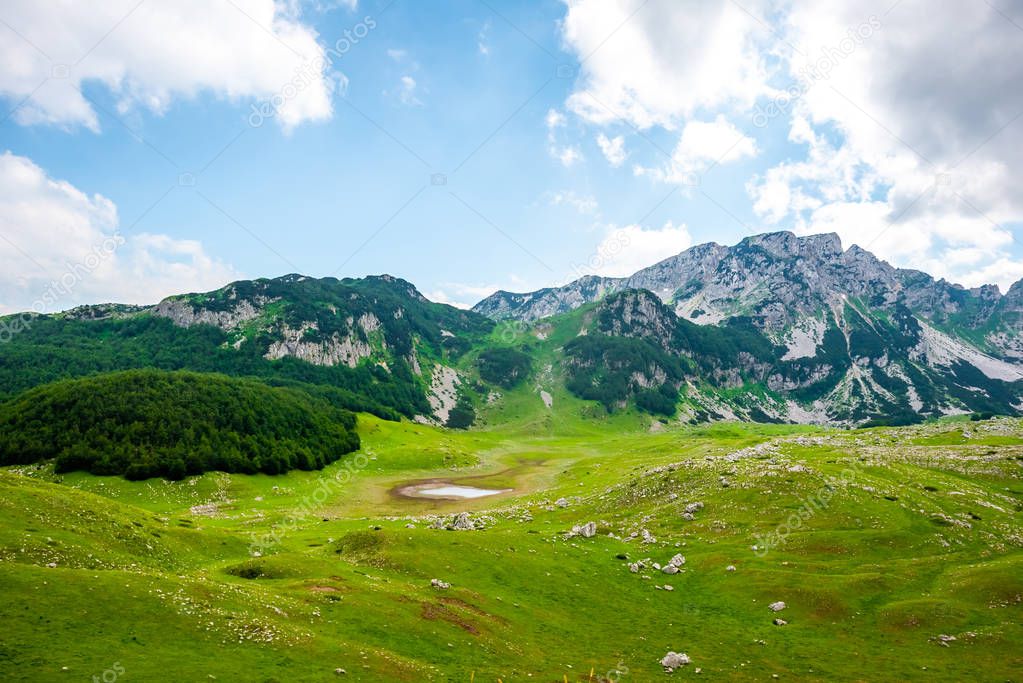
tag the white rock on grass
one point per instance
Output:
(677, 561)
(588, 530)
(777, 606)
(463, 522)
(674, 660)
(730, 568)
(441, 585)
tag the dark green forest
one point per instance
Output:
(601, 369)
(148, 423)
(504, 367)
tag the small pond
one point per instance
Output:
(444, 490)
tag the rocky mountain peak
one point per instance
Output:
(787, 244)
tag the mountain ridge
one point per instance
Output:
(777, 328)
(688, 278)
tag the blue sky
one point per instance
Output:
(461, 144)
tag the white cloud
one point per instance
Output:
(407, 92)
(396, 54)
(61, 248)
(152, 53)
(568, 156)
(441, 296)
(624, 251)
(465, 296)
(584, 204)
(481, 42)
(907, 115)
(660, 64)
(613, 149)
(703, 145)
(899, 157)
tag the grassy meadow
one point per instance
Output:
(884, 544)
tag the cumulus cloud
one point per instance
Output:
(613, 149)
(149, 54)
(660, 61)
(60, 247)
(908, 119)
(917, 171)
(584, 204)
(554, 119)
(626, 250)
(407, 92)
(702, 145)
(465, 296)
(568, 155)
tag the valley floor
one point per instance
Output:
(898, 554)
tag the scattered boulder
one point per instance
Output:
(674, 660)
(693, 508)
(780, 622)
(588, 530)
(677, 561)
(440, 585)
(777, 606)
(561, 502)
(944, 639)
(634, 567)
(730, 568)
(668, 587)
(463, 522)
(669, 569)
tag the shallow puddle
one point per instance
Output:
(444, 490)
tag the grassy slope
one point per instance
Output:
(143, 581)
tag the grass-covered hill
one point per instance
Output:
(370, 343)
(148, 423)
